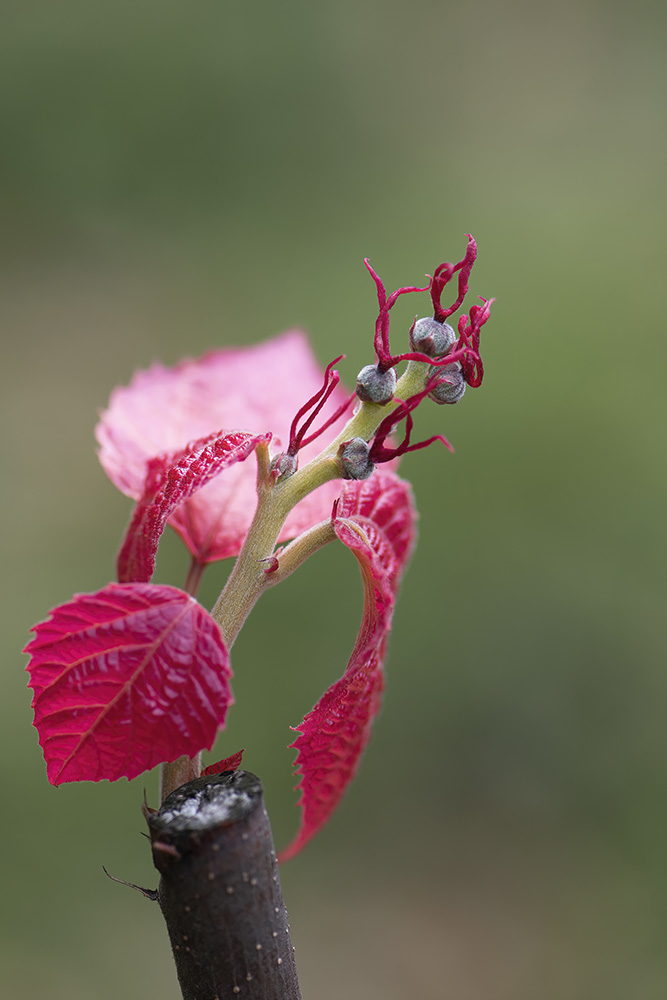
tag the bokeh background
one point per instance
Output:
(179, 176)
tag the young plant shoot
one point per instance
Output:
(138, 674)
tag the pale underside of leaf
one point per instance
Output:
(252, 390)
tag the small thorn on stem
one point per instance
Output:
(151, 894)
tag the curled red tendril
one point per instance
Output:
(297, 435)
(467, 347)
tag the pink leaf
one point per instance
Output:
(170, 481)
(124, 679)
(227, 764)
(254, 389)
(376, 519)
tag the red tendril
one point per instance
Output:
(379, 453)
(469, 330)
(297, 438)
(443, 275)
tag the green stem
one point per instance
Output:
(248, 579)
(193, 578)
(296, 553)
(185, 768)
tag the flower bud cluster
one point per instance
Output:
(442, 362)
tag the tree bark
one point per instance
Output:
(220, 891)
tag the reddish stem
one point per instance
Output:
(193, 577)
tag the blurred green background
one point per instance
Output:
(184, 175)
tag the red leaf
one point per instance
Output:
(170, 481)
(124, 679)
(254, 389)
(375, 518)
(227, 764)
